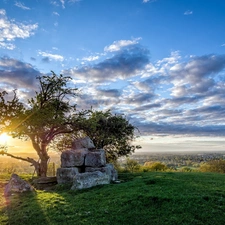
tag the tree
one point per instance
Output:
(48, 115)
(113, 133)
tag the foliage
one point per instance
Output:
(154, 166)
(49, 114)
(216, 166)
(143, 198)
(114, 133)
(132, 165)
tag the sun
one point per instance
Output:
(4, 138)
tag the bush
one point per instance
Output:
(216, 166)
(186, 169)
(154, 166)
(132, 165)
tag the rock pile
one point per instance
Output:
(84, 166)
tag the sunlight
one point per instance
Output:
(4, 138)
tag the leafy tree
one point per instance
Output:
(48, 115)
(111, 132)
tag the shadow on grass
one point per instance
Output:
(24, 209)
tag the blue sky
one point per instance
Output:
(160, 62)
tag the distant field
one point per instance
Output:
(141, 198)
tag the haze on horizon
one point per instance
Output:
(159, 62)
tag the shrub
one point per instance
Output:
(216, 166)
(154, 166)
(186, 169)
(132, 165)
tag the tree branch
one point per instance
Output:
(32, 161)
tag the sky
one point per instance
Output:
(161, 63)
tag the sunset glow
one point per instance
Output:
(4, 138)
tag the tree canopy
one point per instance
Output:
(48, 114)
(111, 132)
(51, 115)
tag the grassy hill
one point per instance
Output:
(141, 198)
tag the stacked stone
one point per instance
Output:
(84, 166)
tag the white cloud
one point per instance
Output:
(21, 5)
(73, 1)
(63, 3)
(188, 12)
(56, 14)
(90, 58)
(51, 56)
(223, 45)
(10, 30)
(117, 45)
(150, 1)
(2, 12)
(8, 46)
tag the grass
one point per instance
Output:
(142, 198)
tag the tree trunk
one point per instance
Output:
(41, 168)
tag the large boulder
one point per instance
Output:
(17, 185)
(108, 169)
(73, 158)
(83, 143)
(87, 180)
(66, 175)
(95, 158)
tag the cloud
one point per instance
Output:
(21, 5)
(45, 60)
(150, 1)
(223, 45)
(64, 2)
(138, 99)
(8, 46)
(90, 58)
(124, 64)
(197, 75)
(11, 30)
(148, 106)
(112, 93)
(118, 45)
(188, 12)
(56, 14)
(51, 56)
(17, 74)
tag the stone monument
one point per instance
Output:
(84, 166)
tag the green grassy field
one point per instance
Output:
(141, 198)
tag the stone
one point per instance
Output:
(17, 185)
(95, 158)
(108, 169)
(45, 183)
(89, 179)
(112, 172)
(83, 143)
(72, 158)
(66, 175)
